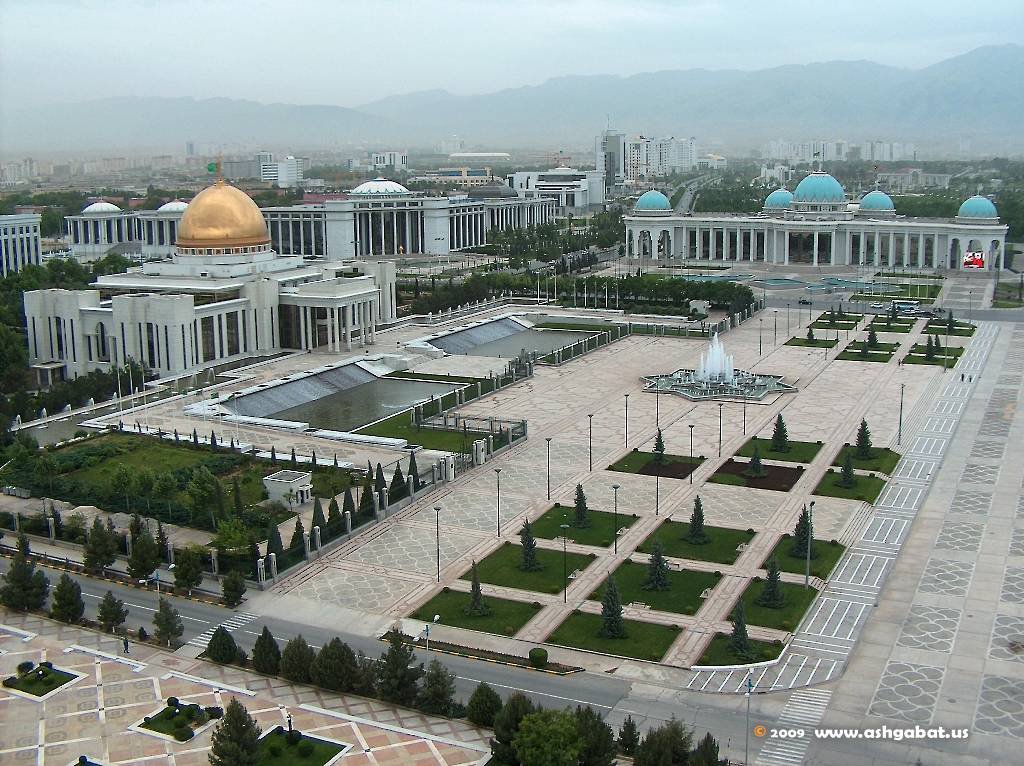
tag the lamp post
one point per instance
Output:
(810, 542)
(760, 327)
(565, 572)
(590, 440)
(497, 502)
(746, 746)
(720, 406)
(775, 332)
(744, 412)
(615, 511)
(787, 319)
(548, 440)
(437, 530)
(625, 421)
(899, 430)
(692, 468)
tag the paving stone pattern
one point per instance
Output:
(930, 628)
(907, 692)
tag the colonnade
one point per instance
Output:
(341, 321)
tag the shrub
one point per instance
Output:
(83, 760)
(538, 657)
(145, 719)
(25, 667)
(183, 734)
(293, 737)
(10, 681)
(190, 712)
(143, 635)
(274, 748)
(305, 748)
(201, 717)
(214, 712)
(46, 664)
(172, 702)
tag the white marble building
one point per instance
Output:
(103, 228)
(19, 242)
(224, 295)
(816, 225)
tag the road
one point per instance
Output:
(824, 302)
(685, 204)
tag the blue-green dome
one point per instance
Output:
(653, 200)
(978, 207)
(780, 198)
(821, 188)
(876, 200)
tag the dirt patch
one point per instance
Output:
(777, 477)
(669, 470)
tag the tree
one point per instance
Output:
(810, 334)
(23, 586)
(274, 544)
(166, 487)
(581, 518)
(612, 625)
(754, 467)
(863, 441)
(529, 562)
(366, 496)
(597, 742)
(872, 338)
(162, 543)
(706, 752)
(657, 569)
(780, 437)
(396, 675)
(298, 535)
(232, 588)
(547, 738)
(112, 612)
(950, 322)
(659, 448)
(167, 622)
(235, 741)
(629, 737)
(414, 473)
(295, 462)
(771, 594)
(803, 533)
(145, 557)
(222, 647)
(847, 478)
(203, 490)
(380, 484)
(334, 513)
(122, 483)
(666, 745)
(296, 659)
(145, 483)
(695, 531)
(334, 667)
(739, 643)
(318, 517)
(484, 704)
(476, 606)
(188, 568)
(506, 726)
(398, 488)
(67, 605)
(236, 495)
(266, 654)
(929, 349)
(437, 695)
(365, 681)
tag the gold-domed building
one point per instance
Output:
(223, 296)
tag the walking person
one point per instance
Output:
(124, 644)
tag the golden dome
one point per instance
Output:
(222, 216)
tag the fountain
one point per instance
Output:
(717, 378)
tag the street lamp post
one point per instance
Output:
(548, 440)
(760, 327)
(615, 511)
(625, 420)
(744, 412)
(775, 332)
(720, 406)
(746, 746)
(437, 531)
(787, 319)
(591, 441)
(691, 454)
(899, 430)
(497, 502)
(810, 542)
(565, 571)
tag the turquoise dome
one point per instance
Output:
(780, 198)
(876, 200)
(653, 200)
(821, 188)
(978, 207)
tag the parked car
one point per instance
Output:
(804, 302)
(878, 305)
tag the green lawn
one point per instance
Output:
(798, 598)
(400, 427)
(42, 680)
(954, 352)
(584, 326)
(872, 356)
(502, 568)
(844, 324)
(866, 488)
(939, 327)
(644, 640)
(869, 298)
(938, 361)
(883, 460)
(141, 452)
(907, 275)
(727, 478)
(816, 343)
(601, 531)
(682, 597)
(169, 719)
(880, 325)
(826, 554)
(288, 755)
(506, 618)
(719, 652)
(636, 461)
(720, 548)
(799, 452)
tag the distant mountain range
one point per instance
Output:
(975, 95)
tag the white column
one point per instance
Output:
(815, 247)
(832, 248)
(892, 250)
(346, 317)
(785, 247)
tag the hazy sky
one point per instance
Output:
(349, 52)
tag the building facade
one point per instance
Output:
(816, 225)
(912, 178)
(573, 191)
(610, 158)
(103, 228)
(397, 160)
(19, 242)
(224, 295)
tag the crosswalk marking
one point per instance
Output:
(804, 709)
(234, 623)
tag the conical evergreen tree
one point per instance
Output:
(67, 605)
(739, 643)
(162, 543)
(145, 557)
(529, 562)
(236, 740)
(810, 334)
(771, 594)
(232, 589)
(349, 503)
(929, 349)
(380, 484)
(629, 737)
(657, 569)
(659, 447)
(222, 647)
(296, 659)
(167, 622)
(236, 496)
(414, 472)
(397, 675)
(274, 544)
(581, 518)
(266, 654)
(780, 436)
(847, 478)
(754, 467)
(863, 441)
(872, 338)
(476, 606)
(112, 612)
(696, 533)
(706, 752)
(804, 531)
(318, 516)
(334, 667)
(366, 499)
(24, 587)
(297, 535)
(334, 512)
(612, 625)
(398, 488)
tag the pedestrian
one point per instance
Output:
(961, 377)
(124, 644)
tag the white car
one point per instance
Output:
(878, 305)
